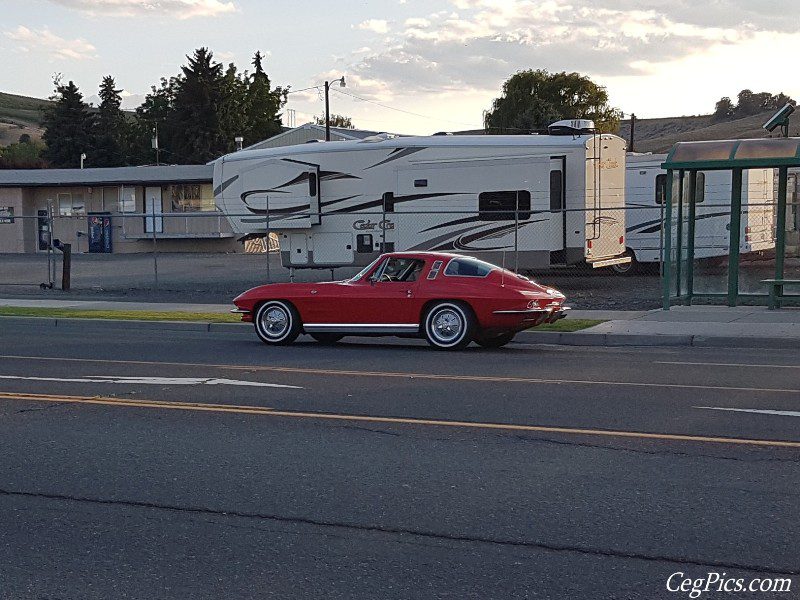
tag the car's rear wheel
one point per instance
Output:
(449, 325)
(327, 338)
(277, 322)
(495, 341)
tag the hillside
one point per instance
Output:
(659, 135)
(20, 115)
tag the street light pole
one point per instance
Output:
(327, 106)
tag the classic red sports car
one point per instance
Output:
(449, 299)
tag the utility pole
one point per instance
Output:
(633, 129)
(327, 106)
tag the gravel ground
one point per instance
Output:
(217, 278)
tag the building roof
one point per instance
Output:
(107, 176)
(318, 131)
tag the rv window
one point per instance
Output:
(661, 188)
(388, 202)
(556, 190)
(501, 206)
(312, 184)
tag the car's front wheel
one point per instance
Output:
(449, 325)
(495, 341)
(277, 322)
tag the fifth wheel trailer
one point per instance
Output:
(557, 199)
(645, 192)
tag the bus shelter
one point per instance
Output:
(701, 262)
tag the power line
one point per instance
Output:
(408, 112)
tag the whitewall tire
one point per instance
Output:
(277, 322)
(449, 326)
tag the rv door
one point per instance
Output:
(285, 192)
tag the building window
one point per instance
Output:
(501, 206)
(70, 204)
(127, 203)
(110, 198)
(190, 198)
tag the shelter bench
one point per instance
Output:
(776, 290)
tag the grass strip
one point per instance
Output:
(564, 325)
(125, 315)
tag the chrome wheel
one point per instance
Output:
(447, 325)
(277, 322)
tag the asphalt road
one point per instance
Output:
(195, 465)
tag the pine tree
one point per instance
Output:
(263, 105)
(69, 128)
(111, 127)
(199, 96)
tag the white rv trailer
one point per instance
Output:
(558, 198)
(645, 191)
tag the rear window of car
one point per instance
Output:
(468, 267)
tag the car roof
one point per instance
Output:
(431, 255)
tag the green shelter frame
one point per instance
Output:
(689, 158)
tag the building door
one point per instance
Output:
(153, 221)
(43, 230)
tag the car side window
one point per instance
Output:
(465, 267)
(400, 269)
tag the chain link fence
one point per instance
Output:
(197, 257)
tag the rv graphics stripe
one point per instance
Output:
(323, 175)
(462, 242)
(655, 225)
(397, 200)
(225, 185)
(395, 154)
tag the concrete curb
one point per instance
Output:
(576, 338)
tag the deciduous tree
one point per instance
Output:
(532, 100)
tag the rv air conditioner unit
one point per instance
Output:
(572, 127)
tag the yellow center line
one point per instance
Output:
(266, 412)
(106, 401)
(423, 376)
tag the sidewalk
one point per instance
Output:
(681, 326)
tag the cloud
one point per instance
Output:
(477, 44)
(376, 25)
(45, 41)
(181, 9)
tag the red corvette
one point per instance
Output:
(449, 299)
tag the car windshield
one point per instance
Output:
(364, 271)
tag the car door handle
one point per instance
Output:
(408, 293)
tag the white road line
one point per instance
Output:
(153, 381)
(780, 413)
(708, 364)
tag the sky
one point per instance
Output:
(413, 66)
